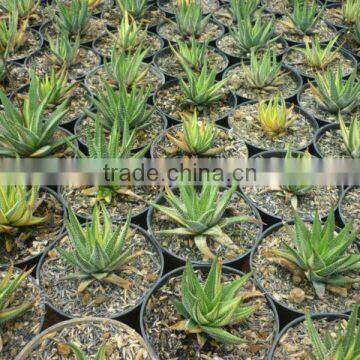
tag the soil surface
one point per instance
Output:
(350, 206)
(331, 145)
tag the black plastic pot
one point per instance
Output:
(167, 50)
(253, 149)
(46, 24)
(174, 121)
(292, 42)
(204, 268)
(294, 75)
(26, 352)
(129, 316)
(153, 70)
(343, 42)
(151, 27)
(136, 218)
(148, 57)
(340, 207)
(335, 6)
(267, 217)
(160, 4)
(307, 77)
(281, 307)
(297, 321)
(21, 59)
(320, 133)
(27, 60)
(173, 261)
(69, 126)
(33, 260)
(83, 146)
(160, 138)
(235, 59)
(211, 42)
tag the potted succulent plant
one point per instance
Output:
(277, 203)
(245, 328)
(30, 220)
(203, 139)
(249, 35)
(201, 222)
(17, 39)
(189, 22)
(313, 59)
(273, 125)
(102, 269)
(193, 54)
(197, 91)
(141, 10)
(62, 53)
(310, 266)
(73, 19)
(128, 37)
(25, 133)
(342, 15)
(22, 310)
(170, 6)
(262, 77)
(331, 94)
(127, 70)
(351, 39)
(81, 338)
(303, 22)
(324, 336)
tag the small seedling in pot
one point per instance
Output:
(351, 136)
(319, 56)
(127, 70)
(126, 107)
(8, 297)
(26, 131)
(208, 309)
(319, 255)
(94, 4)
(64, 51)
(54, 88)
(275, 117)
(304, 17)
(80, 355)
(344, 345)
(192, 54)
(119, 145)
(243, 9)
(72, 19)
(349, 11)
(201, 215)
(249, 35)
(17, 207)
(136, 8)
(25, 8)
(335, 94)
(189, 19)
(201, 89)
(100, 249)
(129, 36)
(292, 192)
(12, 33)
(264, 71)
(196, 139)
